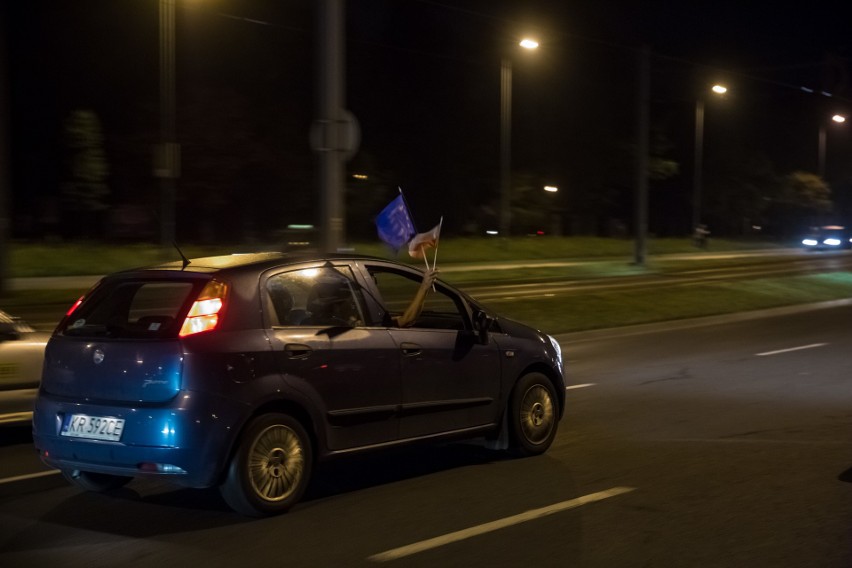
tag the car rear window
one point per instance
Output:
(133, 309)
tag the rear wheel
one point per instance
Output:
(533, 415)
(271, 467)
(97, 482)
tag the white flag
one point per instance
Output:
(422, 241)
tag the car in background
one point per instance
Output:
(21, 360)
(828, 237)
(241, 371)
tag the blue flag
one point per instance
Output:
(394, 224)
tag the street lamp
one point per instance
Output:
(837, 118)
(555, 224)
(699, 154)
(506, 138)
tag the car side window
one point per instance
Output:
(315, 297)
(441, 309)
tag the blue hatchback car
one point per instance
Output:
(241, 371)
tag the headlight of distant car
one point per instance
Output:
(558, 349)
(810, 242)
(832, 242)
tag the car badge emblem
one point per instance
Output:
(98, 357)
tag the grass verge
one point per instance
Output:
(559, 314)
(586, 311)
(84, 258)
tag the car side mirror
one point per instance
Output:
(482, 323)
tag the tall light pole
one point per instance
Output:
(837, 118)
(643, 145)
(506, 139)
(699, 154)
(167, 161)
(335, 134)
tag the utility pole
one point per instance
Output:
(505, 148)
(643, 135)
(167, 159)
(4, 158)
(335, 135)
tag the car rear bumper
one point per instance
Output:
(187, 443)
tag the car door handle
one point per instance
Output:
(410, 349)
(297, 350)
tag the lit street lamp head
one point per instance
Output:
(528, 43)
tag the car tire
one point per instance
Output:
(96, 482)
(533, 415)
(271, 467)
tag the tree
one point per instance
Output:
(804, 199)
(238, 180)
(85, 191)
(533, 208)
(742, 194)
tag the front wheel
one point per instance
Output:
(271, 467)
(96, 482)
(533, 415)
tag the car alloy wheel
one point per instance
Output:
(276, 463)
(271, 467)
(532, 415)
(537, 414)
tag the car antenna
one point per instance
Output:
(185, 260)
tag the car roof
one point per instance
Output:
(254, 261)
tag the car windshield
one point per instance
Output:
(132, 309)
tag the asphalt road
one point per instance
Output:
(713, 445)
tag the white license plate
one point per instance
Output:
(93, 427)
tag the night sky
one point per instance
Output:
(423, 81)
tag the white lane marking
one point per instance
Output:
(29, 476)
(14, 417)
(584, 385)
(530, 515)
(811, 346)
(755, 441)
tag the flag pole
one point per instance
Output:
(408, 208)
(437, 241)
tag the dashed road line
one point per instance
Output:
(811, 346)
(531, 515)
(29, 476)
(582, 386)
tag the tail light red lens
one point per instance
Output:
(204, 313)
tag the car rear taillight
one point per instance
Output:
(74, 307)
(204, 313)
